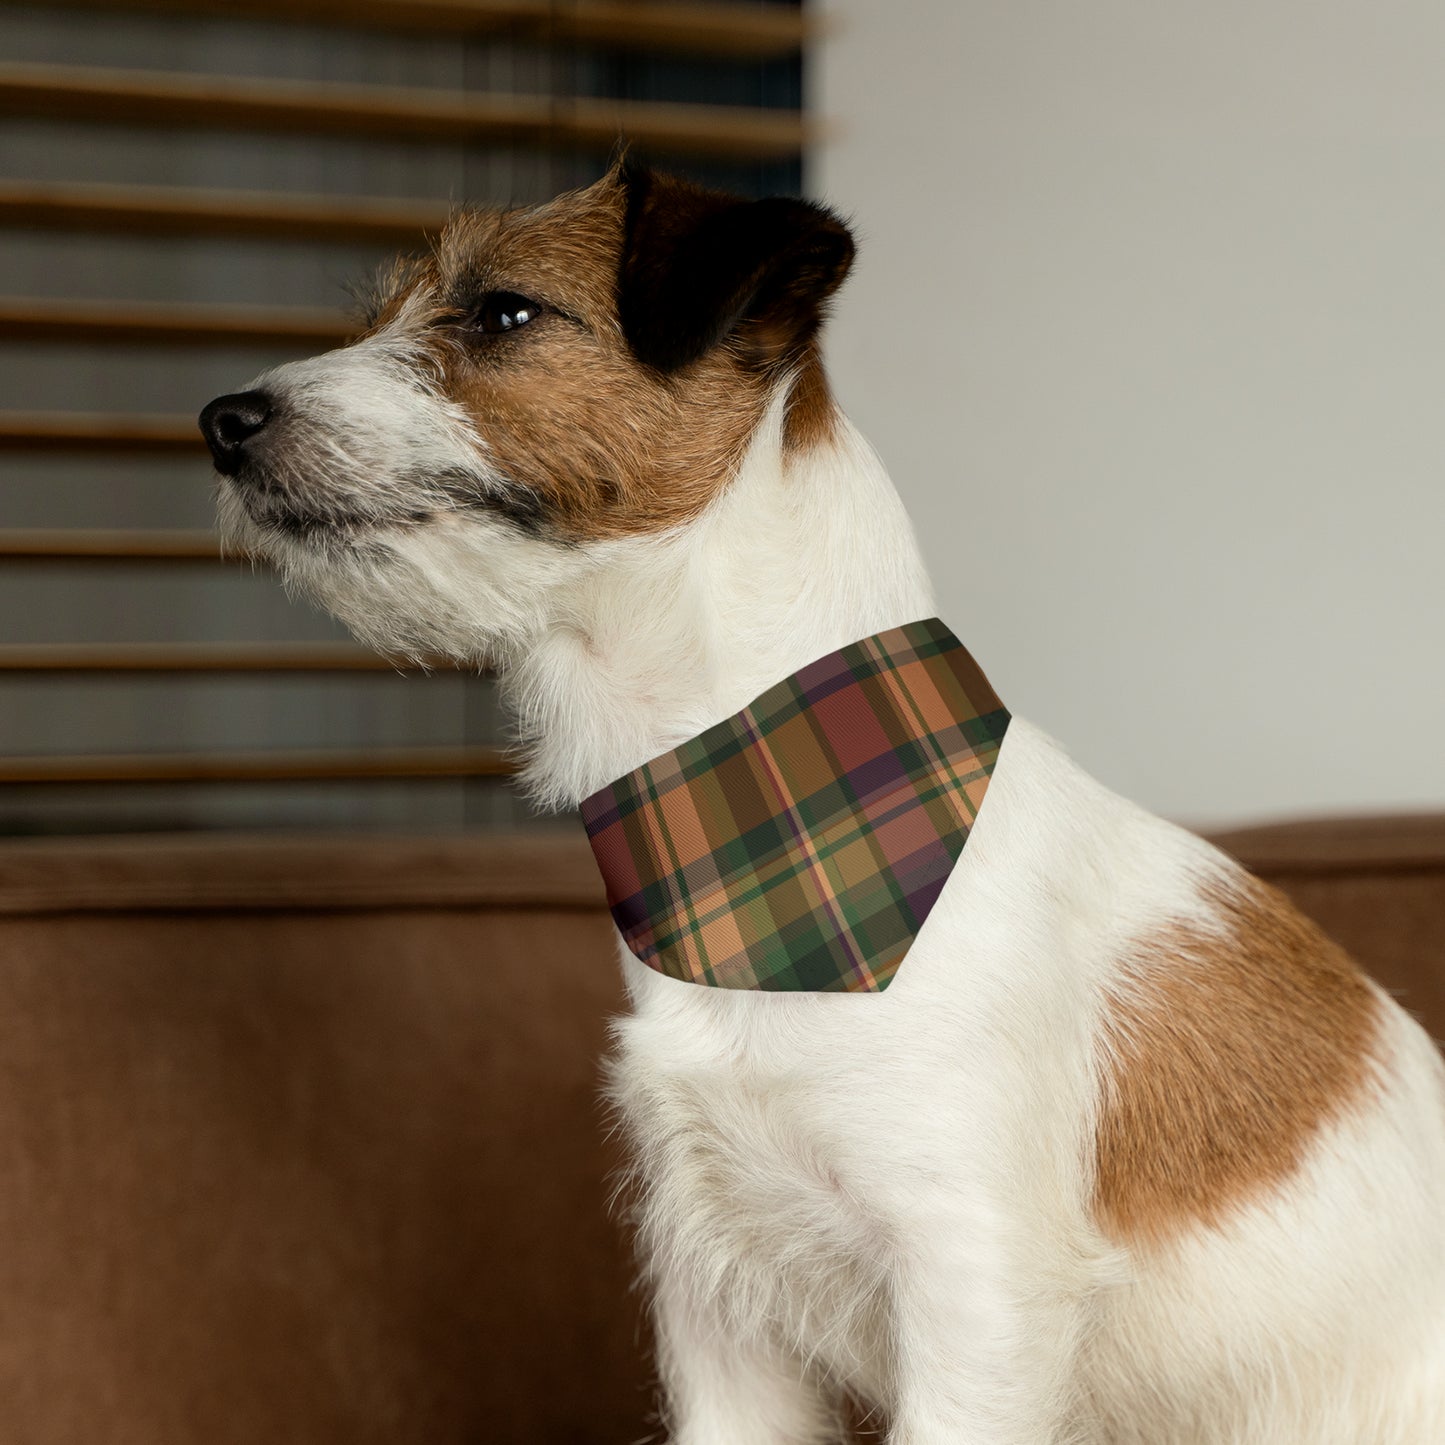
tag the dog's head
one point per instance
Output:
(547, 383)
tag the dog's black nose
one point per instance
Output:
(229, 422)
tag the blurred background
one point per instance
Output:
(187, 191)
(1147, 323)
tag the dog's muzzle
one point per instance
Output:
(230, 422)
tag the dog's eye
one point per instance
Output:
(504, 311)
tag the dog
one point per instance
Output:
(1128, 1153)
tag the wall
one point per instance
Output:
(1149, 323)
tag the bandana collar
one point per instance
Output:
(800, 844)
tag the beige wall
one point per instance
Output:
(1149, 323)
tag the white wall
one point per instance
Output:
(1149, 323)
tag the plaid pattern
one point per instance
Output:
(800, 844)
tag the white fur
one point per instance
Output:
(891, 1194)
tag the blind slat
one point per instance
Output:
(217, 102)
(174, 210)
(94, 544)
(83, 431)
(707, 29)
(166, 323)
(259, 767)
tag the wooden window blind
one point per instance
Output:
(185, 188)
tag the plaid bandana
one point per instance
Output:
(800, 844)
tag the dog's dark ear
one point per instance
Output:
(699, 266)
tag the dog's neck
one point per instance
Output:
(802, 554)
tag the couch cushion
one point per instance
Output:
(1376, 885)
(303, 1142)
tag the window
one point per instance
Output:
(184, 196)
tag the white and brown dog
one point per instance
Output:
(1128, 1153)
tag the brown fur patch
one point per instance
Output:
(605, 445)
(1226, 1055)
(812, 413)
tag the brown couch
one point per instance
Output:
(300, 1138)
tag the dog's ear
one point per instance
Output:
(699, 266)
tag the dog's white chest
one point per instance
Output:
(750, 1186)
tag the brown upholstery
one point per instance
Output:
(302, 1143)
(301, 1140)
(1377, 885)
